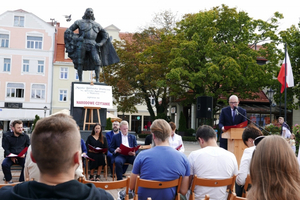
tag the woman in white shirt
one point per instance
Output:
(250, 133)
(175, 140)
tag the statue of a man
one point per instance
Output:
(91, 48)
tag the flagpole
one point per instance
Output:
(285, 88)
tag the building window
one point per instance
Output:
(4, 39)
(76, 75)
(19, 21)
(25, 65)
(15, 90)
(6, 66)
(64, 73)
(62, 95)
(38, 91)
(41, 66)
(34, 42)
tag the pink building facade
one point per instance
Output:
(26, 63)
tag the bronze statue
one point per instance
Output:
(91, 48)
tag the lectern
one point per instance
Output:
(235, 142)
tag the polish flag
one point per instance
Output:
(289, 74)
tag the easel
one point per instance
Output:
(90, 116)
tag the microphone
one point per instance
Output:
(235, 110)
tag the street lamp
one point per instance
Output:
(270, 94)
(45, 110)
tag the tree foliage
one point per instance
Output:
(141, 73)
(216, 54)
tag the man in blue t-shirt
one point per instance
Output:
(160, 163)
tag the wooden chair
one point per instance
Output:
(212, 183)
(246, 186)
(109, 185)
(234, 197)
(157, 185)
(86, 168)
(113, 170)
(13, 184)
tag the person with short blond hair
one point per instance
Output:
(56, 149)
(285, 129)
(160, 163)
(274, 171)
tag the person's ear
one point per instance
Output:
(153, 136)
(77, 157)
(32, 158)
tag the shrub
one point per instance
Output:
(108, 124)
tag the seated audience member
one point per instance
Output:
(148, 139)
(250, 133)
(212, 162)
(175, 140)
(14, 142)
(274, 171)
(160, 163)
(32, 172)
(55, 145)
(96, 139)
(127, 140)
(109, 135)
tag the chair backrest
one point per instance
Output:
(157, 185)
(234, 197)
(110, 185)
(13, 184)
(213, 183)
(246, 186)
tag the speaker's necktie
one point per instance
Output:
(233, 115)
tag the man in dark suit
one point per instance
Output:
(229, 117)
(127, 140)
(109, 136)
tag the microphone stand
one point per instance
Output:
(238, 113)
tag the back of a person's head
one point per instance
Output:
(274, 171)
(251, 131)
(54, 142)
(173, 126)
(161, 129)
(206, 133)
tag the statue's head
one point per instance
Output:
(89, 14)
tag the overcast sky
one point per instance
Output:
(129, 15)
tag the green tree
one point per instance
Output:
(291, 37)
(108, 124)
(36, 118)
(144, 59)
(182, 123)
(216, 55)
